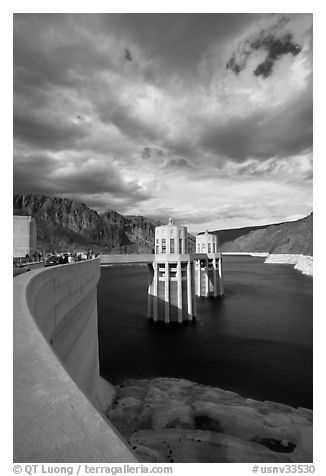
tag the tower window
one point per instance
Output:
(172, 245)
(163, 245)
(209, 248)
(180, 245)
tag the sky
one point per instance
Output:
(205, 118)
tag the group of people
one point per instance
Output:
(81, 256)
(63, 258)
(36, 256)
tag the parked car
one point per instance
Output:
(52, 260)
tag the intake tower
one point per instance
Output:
(178, 273)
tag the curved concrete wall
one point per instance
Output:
(56, 386)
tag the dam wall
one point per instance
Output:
(57, 386)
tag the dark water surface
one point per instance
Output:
(256, 340)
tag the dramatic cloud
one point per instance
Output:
(274, 40)
(203, 117)
(275, 48)
(179, 163)
(128, 56)
(73, 178)
(264, 134)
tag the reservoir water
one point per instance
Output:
(256, 340)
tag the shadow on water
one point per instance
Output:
(256, 341)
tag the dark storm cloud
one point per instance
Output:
(112, 109)
(42, 174)
(127, 55)
(122, 108)
(151, 152)
(134, 127)
(97, 180)
(177, 41)
(105, 201)
(179, 163)
(33, 174)
(63, 49)
(56, 49)
(282, 131)
(41, 131)
(184, 145)
(274, 46)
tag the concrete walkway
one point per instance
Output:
(54, 421)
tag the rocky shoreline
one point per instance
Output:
(174, 420)
(301, 263)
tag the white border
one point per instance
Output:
(232, 6)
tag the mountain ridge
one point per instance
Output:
(293, 237)
(68, 225)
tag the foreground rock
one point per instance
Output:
(171, 420)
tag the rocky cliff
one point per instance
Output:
(66, 225)
(295, 237)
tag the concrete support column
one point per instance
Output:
(183, 236)
(155, 291)
(194, 303)
(198, 277)
(206, 278)
(179, 287)
(167, 293)
(189, 290)
(215, 277)
(220, 274)
(150, 291)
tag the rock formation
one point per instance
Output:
(66, 225)
(294, 237)
(171, 420)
